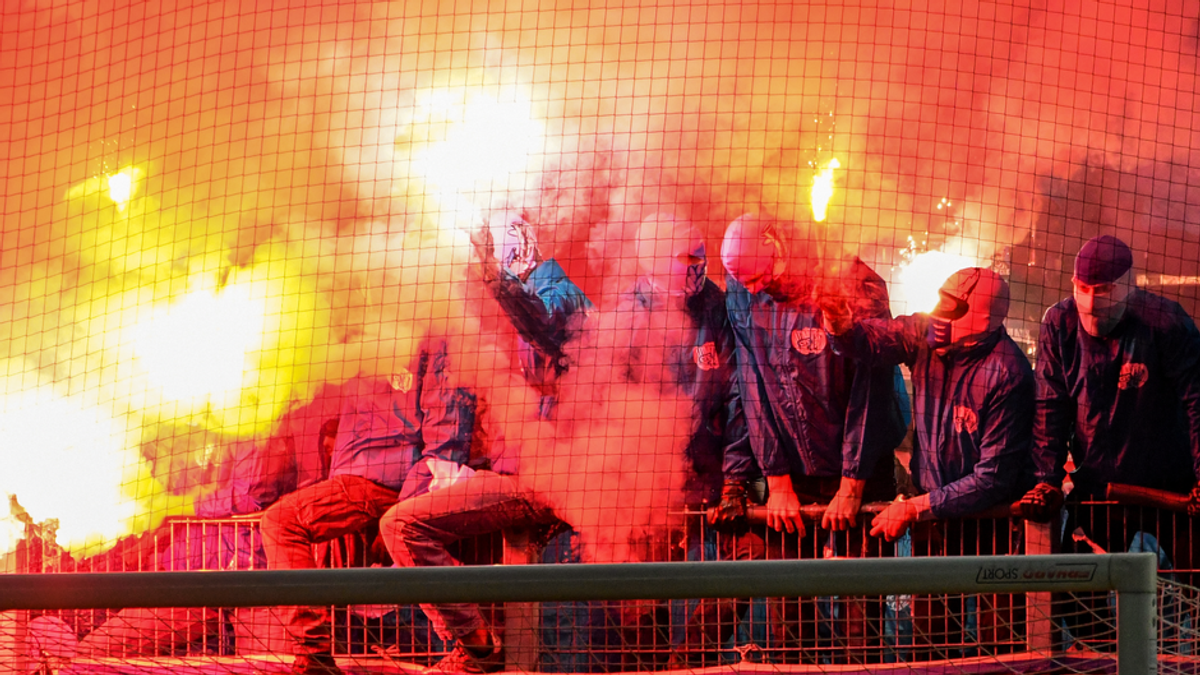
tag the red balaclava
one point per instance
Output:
(973, 305)
(753, 252)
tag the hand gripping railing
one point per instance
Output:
(1131, 575)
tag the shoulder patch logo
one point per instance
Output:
(706, 356)
(809, 340)
(1133, 376)
(401, 381)
(965, 419)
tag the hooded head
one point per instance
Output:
(973, 304)
(671, 254)
(753, 252)
(514, 242)
(1102, 283)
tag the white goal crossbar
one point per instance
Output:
(1131, 575)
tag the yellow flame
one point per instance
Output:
(62, 459)
(198, 347)
(924, 274)
(822, 190)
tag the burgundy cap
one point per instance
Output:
(1102, 260)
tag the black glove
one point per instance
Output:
(732, 505)
(1194, 504)
(1041, 503)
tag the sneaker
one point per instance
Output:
(465, 660)
(315, 664)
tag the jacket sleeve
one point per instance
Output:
(447, 420)
(874, 424)
(760, 435)
(1053, 419)
(1182, 357)
(1004, 446)
(883, 342)
(542, 308)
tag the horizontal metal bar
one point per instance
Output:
(542, 583)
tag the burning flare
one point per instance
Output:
(822, 190)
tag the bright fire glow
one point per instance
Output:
(924, 274)
(198, 347)
(121, 187)
(822, 190)
(483, 139)
(64, 460)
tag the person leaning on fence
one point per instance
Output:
(821, 427)
(1118, 387)
(973, 395)
(396, 436)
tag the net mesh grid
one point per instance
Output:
(223, 222)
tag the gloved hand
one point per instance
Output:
(1194, 504)
(1041, 503)
(894, 520)
(732, 506)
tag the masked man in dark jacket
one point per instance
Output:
(544, 305)
(973, 396)
(1118, 386)
(396, 435)
(822, 428)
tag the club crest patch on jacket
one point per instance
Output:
(965, 419)
(706, 356)
(1133, 376)
(809, 341)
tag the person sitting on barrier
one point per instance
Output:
(1118, 387)
(419, 531)
(540, 300)
(973, 393)
(397, 435)
(822, 428)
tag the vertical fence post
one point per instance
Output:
(1136, 580)
(520, 618)
(1039, 627)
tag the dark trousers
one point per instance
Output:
(318, 513)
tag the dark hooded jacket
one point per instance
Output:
(1126, 406)
(972, 406)
(809, 411)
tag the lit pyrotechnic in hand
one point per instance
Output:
(1041, 503)
(842, 512)
(732, 506)
(894, 521)
(783, 506)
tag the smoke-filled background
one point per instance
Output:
(216, 213)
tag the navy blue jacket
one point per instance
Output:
(809, 411)
(973, 409)
(546, 308)
(1126, 406)
(387, 425)
(703, 368)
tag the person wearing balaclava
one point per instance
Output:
(1118, 387)
(544, 305)
(822, 428)
(972, 396)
